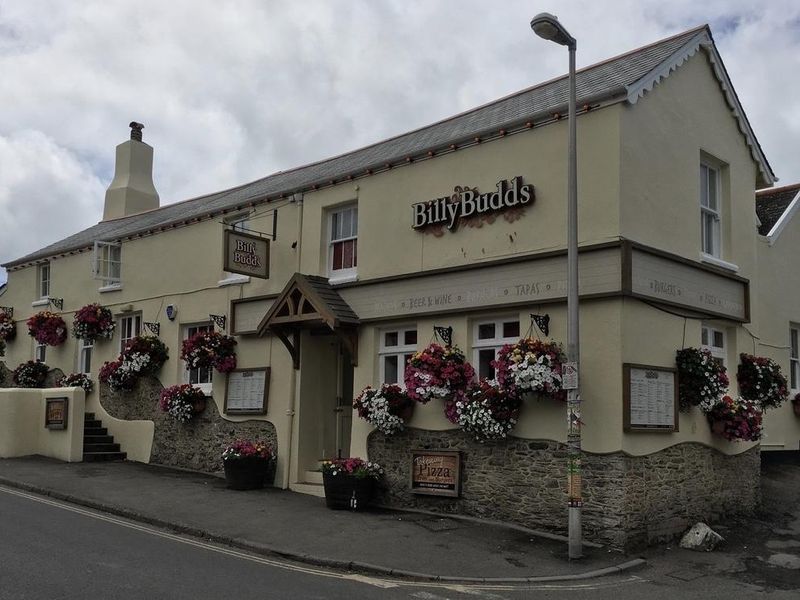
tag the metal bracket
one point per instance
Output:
(155, 328)
(542, 322)
(219, 320)
(57, 302)
(445, 334)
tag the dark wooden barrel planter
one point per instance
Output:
(249, 473)
(345, 492)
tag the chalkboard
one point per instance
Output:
(650, 398)
(246, 391)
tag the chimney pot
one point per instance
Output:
(136, 131)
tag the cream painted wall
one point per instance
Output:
(22, 430)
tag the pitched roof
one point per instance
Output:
(772, 204)
(625, 77)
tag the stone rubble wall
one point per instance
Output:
(629, 501)
(195, 445)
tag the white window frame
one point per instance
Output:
(128, 324)
(348, 274)
(240, 222)
(209, 372)
(39, 351)
(43, 280)
(400, 351)
(720, 352)
(794, 357)
(710, 210)
(107, 264)
(85, 351)
(495, 343)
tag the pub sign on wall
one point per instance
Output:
(246, 254)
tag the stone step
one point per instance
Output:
(103, 456)
(89, 416)
(98, 439)
(94, 431)
(92, 423)
(102, 447)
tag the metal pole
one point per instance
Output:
(575, 501)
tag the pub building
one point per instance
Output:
(331, 275)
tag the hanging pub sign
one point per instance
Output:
(466, 204)
(246, 254)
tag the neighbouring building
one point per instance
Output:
(462, 224)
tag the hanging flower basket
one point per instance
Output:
(760, 379)
(47, 328)
(349, 482)
(439, 372)
(143, 355)
(207, 349)
(531, 365)
(31, 374)
(92, 322)
(387, 408)
(80, 380)
(488, 412)
(702, 379)
(248, 465)
(736, 420)
(182, 402)
(8, 327)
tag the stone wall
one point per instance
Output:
(7, 377)
(195, 445)
(629, 501)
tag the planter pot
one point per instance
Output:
(198, 405)
(343, 492)
(718, 427)
(249, 473)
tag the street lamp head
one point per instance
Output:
(548, 27)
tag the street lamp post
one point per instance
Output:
(548, 27)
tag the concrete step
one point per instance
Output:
(103, 456)
(89, 416)
(313, 489)
(92, 423)
(94, 431)
(104, 447)
(312, 477)
(98, 439)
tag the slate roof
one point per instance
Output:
(628, 75)
(772, 203)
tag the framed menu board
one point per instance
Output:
(436, 473)
(246, 391)
(650, 398)
(55, 413)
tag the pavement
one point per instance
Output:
(300, 528)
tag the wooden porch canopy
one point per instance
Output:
(310, 302)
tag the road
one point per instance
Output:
(52, 550)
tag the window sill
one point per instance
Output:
(41, 302)
(718, 262)
(234, 280)
(114, 287)
(337, 279)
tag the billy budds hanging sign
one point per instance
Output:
(467, 203)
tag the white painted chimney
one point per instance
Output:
(132, 190)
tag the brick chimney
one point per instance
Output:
(132, 190)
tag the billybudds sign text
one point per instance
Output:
(246, 254)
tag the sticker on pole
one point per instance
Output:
(569, 376)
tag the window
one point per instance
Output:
(39, 352)
(714, 340)
(794, 357)
(85, 348)
(488, 338)
(129, 328)
(396, 347)
(198, 377)
(343, 251)
(710, 206)
(43, 280)
(107, 264)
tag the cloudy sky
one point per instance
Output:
(231, 91)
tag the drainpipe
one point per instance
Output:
(297, 198)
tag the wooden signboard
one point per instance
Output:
(650, 398)
(436, 473)
(246, 391)
(246, 254)
(55, 413)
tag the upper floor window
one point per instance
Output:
(710, 211)
(488, 338)
(107, 263)
(130, 326)
(794, 357)
(200, 377)
(396, 347)
(714, 340)
(43, 280)
(343, 240)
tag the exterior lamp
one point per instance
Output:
(548, 27)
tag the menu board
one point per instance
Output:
(55, 413)
(436, 473)
(246, 391)
(650, 398)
